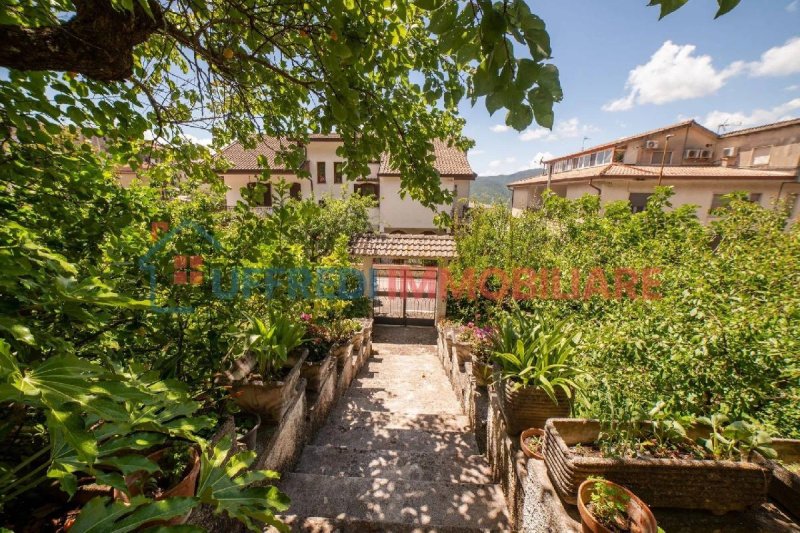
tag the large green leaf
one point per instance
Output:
(103, 515)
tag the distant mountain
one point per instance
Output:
(489, 189)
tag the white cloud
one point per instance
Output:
(196, 140)
(674, 72)
(779, 60)
(540, 156)
(792, 7)
(500, 128)
(792, 87)
(739, 119)
(566, 129)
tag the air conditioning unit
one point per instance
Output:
(651, 145)
(729, 152)
(691, 154)
(705, 154)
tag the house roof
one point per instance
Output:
(450, 161)
(407, 246)
(619, 170)
(765, 127)
(623, 140)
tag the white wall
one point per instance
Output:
(405, 214)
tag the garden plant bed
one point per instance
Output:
(316, 372)
(529, 407)
(250, 395)
(717, 486)
(785, 484)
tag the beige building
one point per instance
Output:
(393, 214)
(701, 165)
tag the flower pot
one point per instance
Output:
(640, 515)
(316, 372)
(342, 354)
(462, 351)
(357, 339)
(785, 485)
(268, 399)
(250, 439)
(716, 486)
(481, 372)
(532, 432)
(529, 407)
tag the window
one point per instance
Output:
(261, 194)
(337, 172)
(655, 157)
(367, 189)
(321, 172)
(761, 155)
(638, 201)
(719, 201)
(295, 191)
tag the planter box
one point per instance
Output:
(320, 403)
(716, 486)
(252, 397)
(529, 407)
(315, 373)
(785, 486)
(342, 355)
(356, 340)
(462, 352)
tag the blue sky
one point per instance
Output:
(623, 71)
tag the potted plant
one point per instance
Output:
(532, 443)
(341, 336)
(320, 361)
(664, 461)
(606, 507)
(479, 340)
(537, 370)
(259, 381)
(462, 344)
(785, 469)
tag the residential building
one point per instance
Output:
(701, 165)
(393, 213)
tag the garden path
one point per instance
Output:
(396, 454)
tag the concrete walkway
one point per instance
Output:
(396, 454)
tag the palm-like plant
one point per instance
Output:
(271, 341)
(533, 351)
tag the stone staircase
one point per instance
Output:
(396, 454)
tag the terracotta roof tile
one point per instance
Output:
(408, 246)
(450, 161)
(646, 171)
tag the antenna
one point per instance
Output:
(583, 143)
(727, 124)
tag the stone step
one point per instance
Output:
(346, 419)
(346, 461)
(355, 402)
(375, 438)
(316, 524)
(385, 503)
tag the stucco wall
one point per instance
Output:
(784, 145)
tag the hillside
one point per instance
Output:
(490, 189)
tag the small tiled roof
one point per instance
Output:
(450, 162)
(408, 246)
(774, 125)
(619, 170)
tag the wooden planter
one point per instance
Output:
(640, 514)
(342, 355)
(315, 373)
(784, 486)
(269, 399)
(716, 486)
(529, 407)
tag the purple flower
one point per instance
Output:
(305, 317)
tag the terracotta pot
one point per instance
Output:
(532, 432)
(315, 373)
(785, 485)
(268, 399)
(250, 439)
(716, 486)
(642, 519)
(529, 407)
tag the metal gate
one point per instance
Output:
(404, 294)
